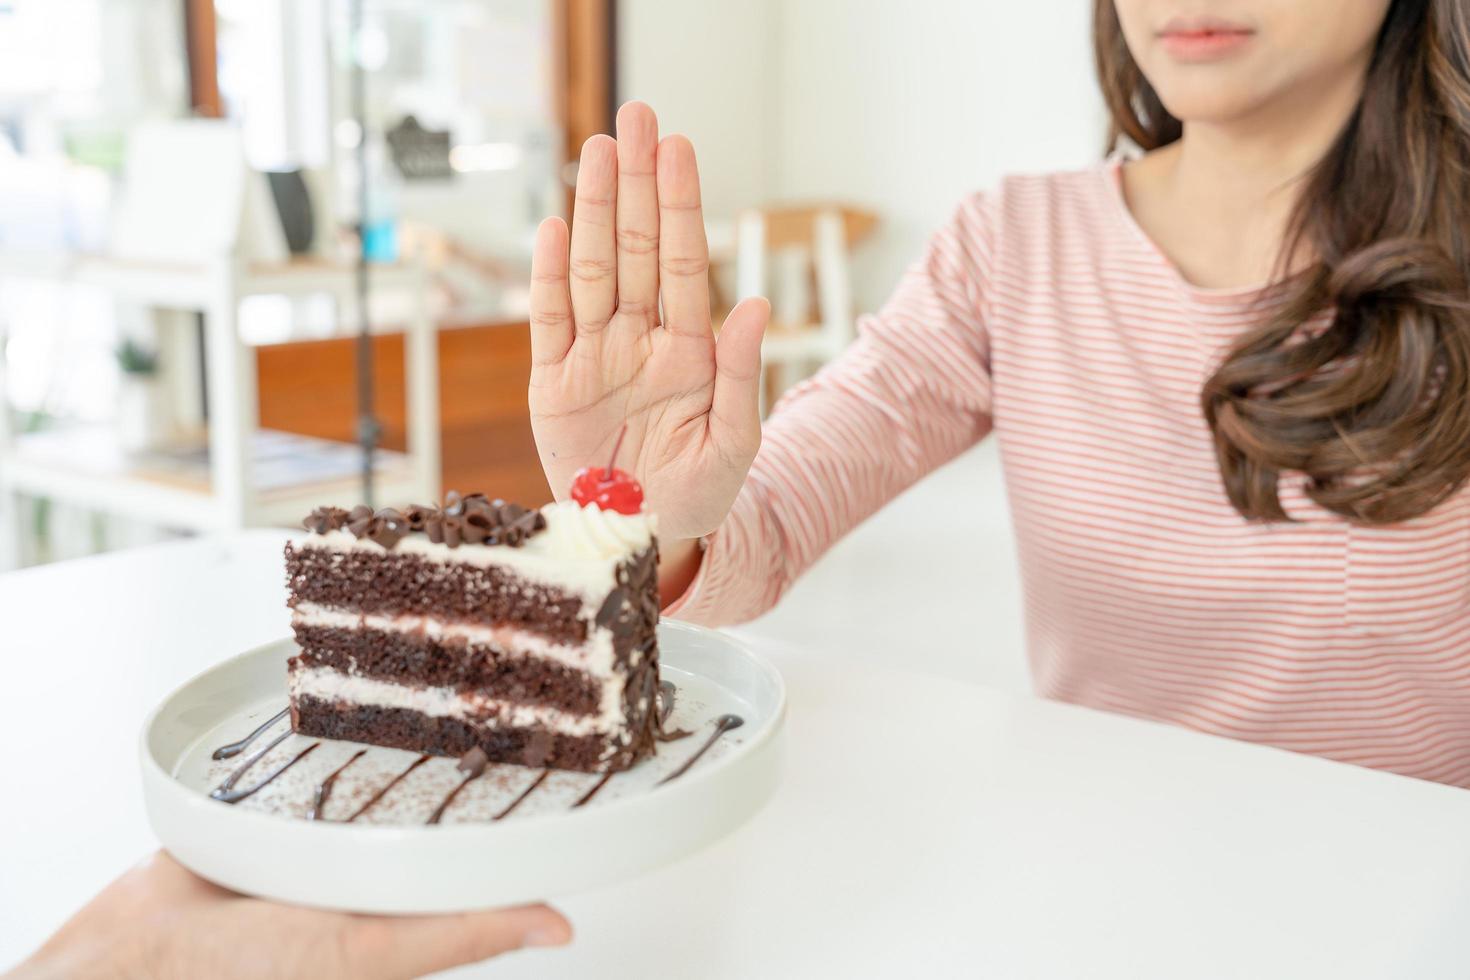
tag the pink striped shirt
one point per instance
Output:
(1042, 311)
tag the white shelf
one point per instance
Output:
(187, 286)
(231, 485)
(82, 465)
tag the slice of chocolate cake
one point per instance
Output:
(531, 634)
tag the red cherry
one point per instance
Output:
(607, 487)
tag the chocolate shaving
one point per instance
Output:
(386, 527)
(476, 528)
(612, 607)
(359, 520)
(451, 525)
(417, 515)
(325, 519)
(471, 519)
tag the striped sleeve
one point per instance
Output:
(909, 395)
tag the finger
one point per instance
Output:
(594, 285)
(735, 420)
(637, 212)
(683, 254)
(552, 331)
(416, 945)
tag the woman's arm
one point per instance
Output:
(622, 348)
(909, 395)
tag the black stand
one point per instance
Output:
(368, 430)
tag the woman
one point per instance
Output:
(1230, 379)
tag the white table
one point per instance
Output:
(925, 827)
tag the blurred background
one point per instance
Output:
(260, 255)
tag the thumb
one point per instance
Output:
(735, 410)
(412, 946)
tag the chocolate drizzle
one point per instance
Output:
(324, 788)
(235, 748)
(242, 768)
(226, 793)
(472, 764)
(524, 793)
(723, 724)
(384, 791)
(470, 519)
(593, 791)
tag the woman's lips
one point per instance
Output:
(1203, 39)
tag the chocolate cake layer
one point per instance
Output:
(370, 581)
(389, 582)
(406, 729)
(418, 659)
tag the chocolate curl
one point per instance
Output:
(478, 503)
(475, 527)
(387, 527)
(451, 525)
(325, 519)
(464, 519)
(360, 521)
(417, 516)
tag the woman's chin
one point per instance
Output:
(1212, 99)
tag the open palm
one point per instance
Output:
(602, 355)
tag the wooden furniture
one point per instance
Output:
(201, 41)
(587, 72)
(798, 257)
(486, 443)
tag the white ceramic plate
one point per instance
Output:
(389, 859)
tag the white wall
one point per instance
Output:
(901, 106)
(705, 67)
(906, 106)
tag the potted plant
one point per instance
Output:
(142, 407)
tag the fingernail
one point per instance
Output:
(545, 937)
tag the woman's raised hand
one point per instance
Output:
(621, 334)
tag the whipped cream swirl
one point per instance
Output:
(574, 531)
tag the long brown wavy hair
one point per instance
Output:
(1375, 409)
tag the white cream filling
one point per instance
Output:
(578, 552)
(330, 685)
(594, 656)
